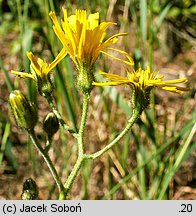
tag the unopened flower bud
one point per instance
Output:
(51, 124)
(30, 190)
(24, 112)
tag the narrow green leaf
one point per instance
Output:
(141, 174)
(162, 16)
(66, 98)
(156, 153)
(4, 141)
(6, 75)
(143, 19)
(179, 159)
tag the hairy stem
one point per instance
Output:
(81, 155)
(131, 121)
(47, 159)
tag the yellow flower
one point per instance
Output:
(40, 71)
(83, 37)
(144, 79)
(141, 82)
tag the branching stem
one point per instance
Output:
(81, 155)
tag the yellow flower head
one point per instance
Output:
(40, 71)
(144, 79)
(141, 82)
(83, 37)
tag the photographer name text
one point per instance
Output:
(12, 208)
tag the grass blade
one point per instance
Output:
(162, 16)
(178, 162)
(4, 141)
(141, 174)
(9, 84)
(156, 153)
(67, 101)
(143, 19)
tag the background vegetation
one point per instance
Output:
(156, 160)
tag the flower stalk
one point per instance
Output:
(47, 160)
(131, 121)
(81, 154)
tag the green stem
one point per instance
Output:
(82, 124)
(58, 115)
(131, 121)
(47, 159)
(72, 176)
(48, 144)
(81, 155)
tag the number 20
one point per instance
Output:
(186, 207)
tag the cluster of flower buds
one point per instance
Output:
(26, 116)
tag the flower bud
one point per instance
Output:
(24, 112)
(51, 124)
(30, 190)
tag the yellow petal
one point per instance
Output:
(108, 83)
(114, 77)
(173, 89)
(34, 63)
(93, 20)
(105, 25)
(130, 62)
(71, 39)
(181, 80)
(57, 28)
(22, 74)
(115, 36)
(82, 18)
(58, 58)
(33, 60)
